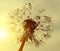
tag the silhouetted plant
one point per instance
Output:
(36, 28)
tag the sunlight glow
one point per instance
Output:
(3, 34)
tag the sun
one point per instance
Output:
(3, 34)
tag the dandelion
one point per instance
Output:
(31, 25)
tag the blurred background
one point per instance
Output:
(52, 9)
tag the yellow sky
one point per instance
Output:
(52, 9)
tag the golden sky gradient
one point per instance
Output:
(52, 9)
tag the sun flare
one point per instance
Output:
(3, 34)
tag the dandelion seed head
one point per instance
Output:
(36, 27)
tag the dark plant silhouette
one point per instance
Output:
(31, 24)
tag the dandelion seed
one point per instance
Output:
(48, 19)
